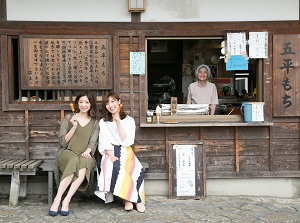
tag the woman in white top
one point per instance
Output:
(121, 172)
(202, 91)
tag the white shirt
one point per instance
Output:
(109, 134)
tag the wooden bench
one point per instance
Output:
(48, 166)
(18, 169)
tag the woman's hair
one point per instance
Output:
(209, 76)
(107, 116)
(93, 112)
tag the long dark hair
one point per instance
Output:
(93, 112)
(107, 116)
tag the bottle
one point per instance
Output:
(149, 117)
(158, 113)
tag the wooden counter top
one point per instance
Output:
(208, 124)
(203, 120)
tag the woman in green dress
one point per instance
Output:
(75, 162)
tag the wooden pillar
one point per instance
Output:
(236, 142)
(135, 17)
(27, 132)
(131, 94)
(201, 134)
(143, 98)
(271, 160)
(167, 147)
(3, 10)
(62, 115)
(14, 188)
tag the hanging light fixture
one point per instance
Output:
(136, 5)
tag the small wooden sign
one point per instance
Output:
(173, 106)
(187, 170)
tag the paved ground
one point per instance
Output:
(159, 209)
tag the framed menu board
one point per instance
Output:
(66, 62)
(187, 170)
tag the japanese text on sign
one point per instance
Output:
(286, 75)
(56, 63)
(185, 165)
(287, 66)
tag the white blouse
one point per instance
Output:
(109, 134)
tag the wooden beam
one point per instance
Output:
(3, 10)
(135, 17)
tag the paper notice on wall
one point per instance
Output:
(258, 111)
(137, 62)
(237, 62)
(185, 170)
(258, 44)
(236, 43)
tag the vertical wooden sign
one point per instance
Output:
(286, 69)
(173, 105)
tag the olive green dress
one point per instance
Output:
(70, 160)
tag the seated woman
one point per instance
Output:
(74, 164)
(121, 173)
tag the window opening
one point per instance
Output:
(171, 66)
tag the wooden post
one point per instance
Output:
(14, 188)
(201, 134)
(23, 186)
(27, 134)
(142, 84)
(167, 147)
(204, 169)
(131, 97)
(62, 115)
(237, 158)
(3, 10)
(271, 160)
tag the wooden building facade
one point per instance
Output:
(28, 129)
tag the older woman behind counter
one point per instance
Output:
(202, 91)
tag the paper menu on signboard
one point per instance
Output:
(258, 44)
(257, 111)
(236, 43)
(185, 165)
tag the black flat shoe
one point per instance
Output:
(52, 213)
(64, 213)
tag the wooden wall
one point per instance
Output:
(262, 151)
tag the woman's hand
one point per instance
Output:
(111, 156)
(87, 153)
(74, 121)
(116, 118)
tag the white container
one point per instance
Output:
(253, 111)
